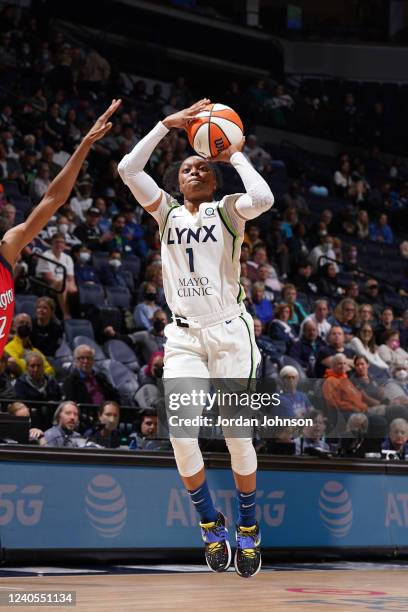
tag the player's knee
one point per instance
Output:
(122, 167)
(188, 456)
(243, 455)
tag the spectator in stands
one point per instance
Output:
(342, 179)
(145, 437)
(372, 295)
(63, 228)
(360, 442)
(290, 220)
(396, 388)
(133, 230)
(312, 436)
(366, 315)
(327, 281)
(391, 351)
(89, 232)
(280, 330)
(339, 391)
(19, 409)
(264, 277)
(335, 345)
(346, 315)
(264, 343)
(7, 391)
(295, 199)
(255, 153)
(381, 231)
(106, 432)
(387, 323)
(289, 295)
(303, 278)
(47, 331)
(145, 342)
(143, 312)
(40, 184)
(404, 331)
(21, 343)
(305, 349)
(84, 385)
(262, 306)
(84, 271)
(111, 274)
(35, 385)
(319, 316)
(151, 373)
(364, 345)
(118, 240)
(9, 167)
(65, 421)
(293, 403)
(53, 275)
(363, 224)
(397, 438)
(297, 245)
(323, 252)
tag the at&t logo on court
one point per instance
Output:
(105, 505)
(336, 509)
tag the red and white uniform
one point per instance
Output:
(6, 301)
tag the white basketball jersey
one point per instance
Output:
(200, 256)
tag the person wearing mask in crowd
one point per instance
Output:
(391, 351)
(47, 331)
(306, 348)
(386, 323)
(346, 315)
(145, 342)
(335, 345)
(397, 439)
(84, 271)
(323, 252)
(289, 295)
(84, 385)
(327, 281)
(261, 305)
(396, 388)
(105, 432)
(153, 371)
(53, 274)
(63, 432)
(35, 385)
(364, 344)
(144, 311)
(280, 330)
(21, 344)
(19, 409)
(89, 232)
(320, 317)
(111, 274)
(312, 436)
(63, 228)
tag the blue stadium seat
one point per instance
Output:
(133, 264)
(91, 295)
(26, 303)
(118, 297)
(130, 281)
(121, 378)
(99, 259)
(120, 351)
(78, 327)
(99, 354)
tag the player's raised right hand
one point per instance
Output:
(183, 117)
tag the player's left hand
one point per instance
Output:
(102, 126)
(225, 156)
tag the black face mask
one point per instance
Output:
(158, 325)
(23, 330)
(150, 296)
(158, 371)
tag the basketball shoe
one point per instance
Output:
(217, 547)
(248, 559)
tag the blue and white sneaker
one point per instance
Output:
(217, 547)
(248, 559)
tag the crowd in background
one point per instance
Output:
(308, 267)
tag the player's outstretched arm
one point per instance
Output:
(57, 193)
(258, 197)
(144, 188)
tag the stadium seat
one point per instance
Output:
(91, 295)
(118, 297)
(120, 351)
(130, 281)
(122, 379)
(99, 259)
(99, 354)
(26, 303)
(78, 327)
(63, 356)
(133, 264)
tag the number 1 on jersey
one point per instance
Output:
(190, 259)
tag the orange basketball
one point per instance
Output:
(214, 130)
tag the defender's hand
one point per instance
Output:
(102, 126)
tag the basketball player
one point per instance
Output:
(16, 238)
(211, 335)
